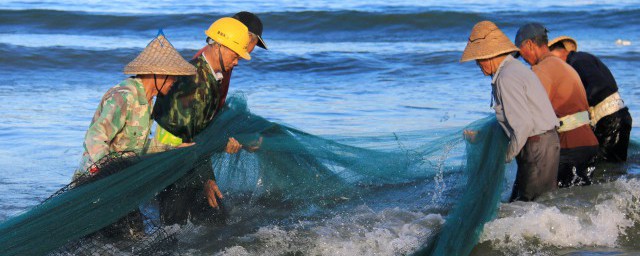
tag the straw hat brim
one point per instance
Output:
(569, 43)
(486, 41)
(478, 51)
(160, 58)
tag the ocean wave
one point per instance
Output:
(25, 59)
(364, 232)
(315, 24)
(90, 42)
(176, 6)
(594, 216)
(28, 52)
(279, 46)
(62, 51)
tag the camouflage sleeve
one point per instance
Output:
(156, 146)
(206, 97)
(110, 121)
(174, 111)
(203, 109)
(190, 105)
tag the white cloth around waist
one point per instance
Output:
(570, 122)
(606, 107)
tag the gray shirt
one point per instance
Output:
(522, 106)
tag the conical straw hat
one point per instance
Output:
(486, 41)
(160, 58)
(569, 43)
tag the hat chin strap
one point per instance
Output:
(220, 58)
(155, 82)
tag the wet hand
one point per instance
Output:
(254, 147)
(186, 144)
(233, 146)
(470, 135)
(212, 192)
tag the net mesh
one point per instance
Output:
(290, 166)
(485, 172)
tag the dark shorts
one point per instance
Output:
(576, 166)
(537, 167)
(613, 132)
(186, 199)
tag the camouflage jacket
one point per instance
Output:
(122, 122)
(191, 103)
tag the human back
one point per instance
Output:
(597, 79)
(541, 111)
(567, 95)
(122, 121)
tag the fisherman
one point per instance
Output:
(254, 24)
(579, 145)
(610, 118)
(522, 108)
(228, 39)
(122, 122)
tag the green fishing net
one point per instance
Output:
(485, 171)
(290, 166)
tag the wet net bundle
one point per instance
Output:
(290, 165)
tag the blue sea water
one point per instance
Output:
(333, 68)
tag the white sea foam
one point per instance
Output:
(365, 232)
(623, 42)
(235, 251)
(526, 227)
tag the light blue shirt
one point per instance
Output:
(522, 105)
